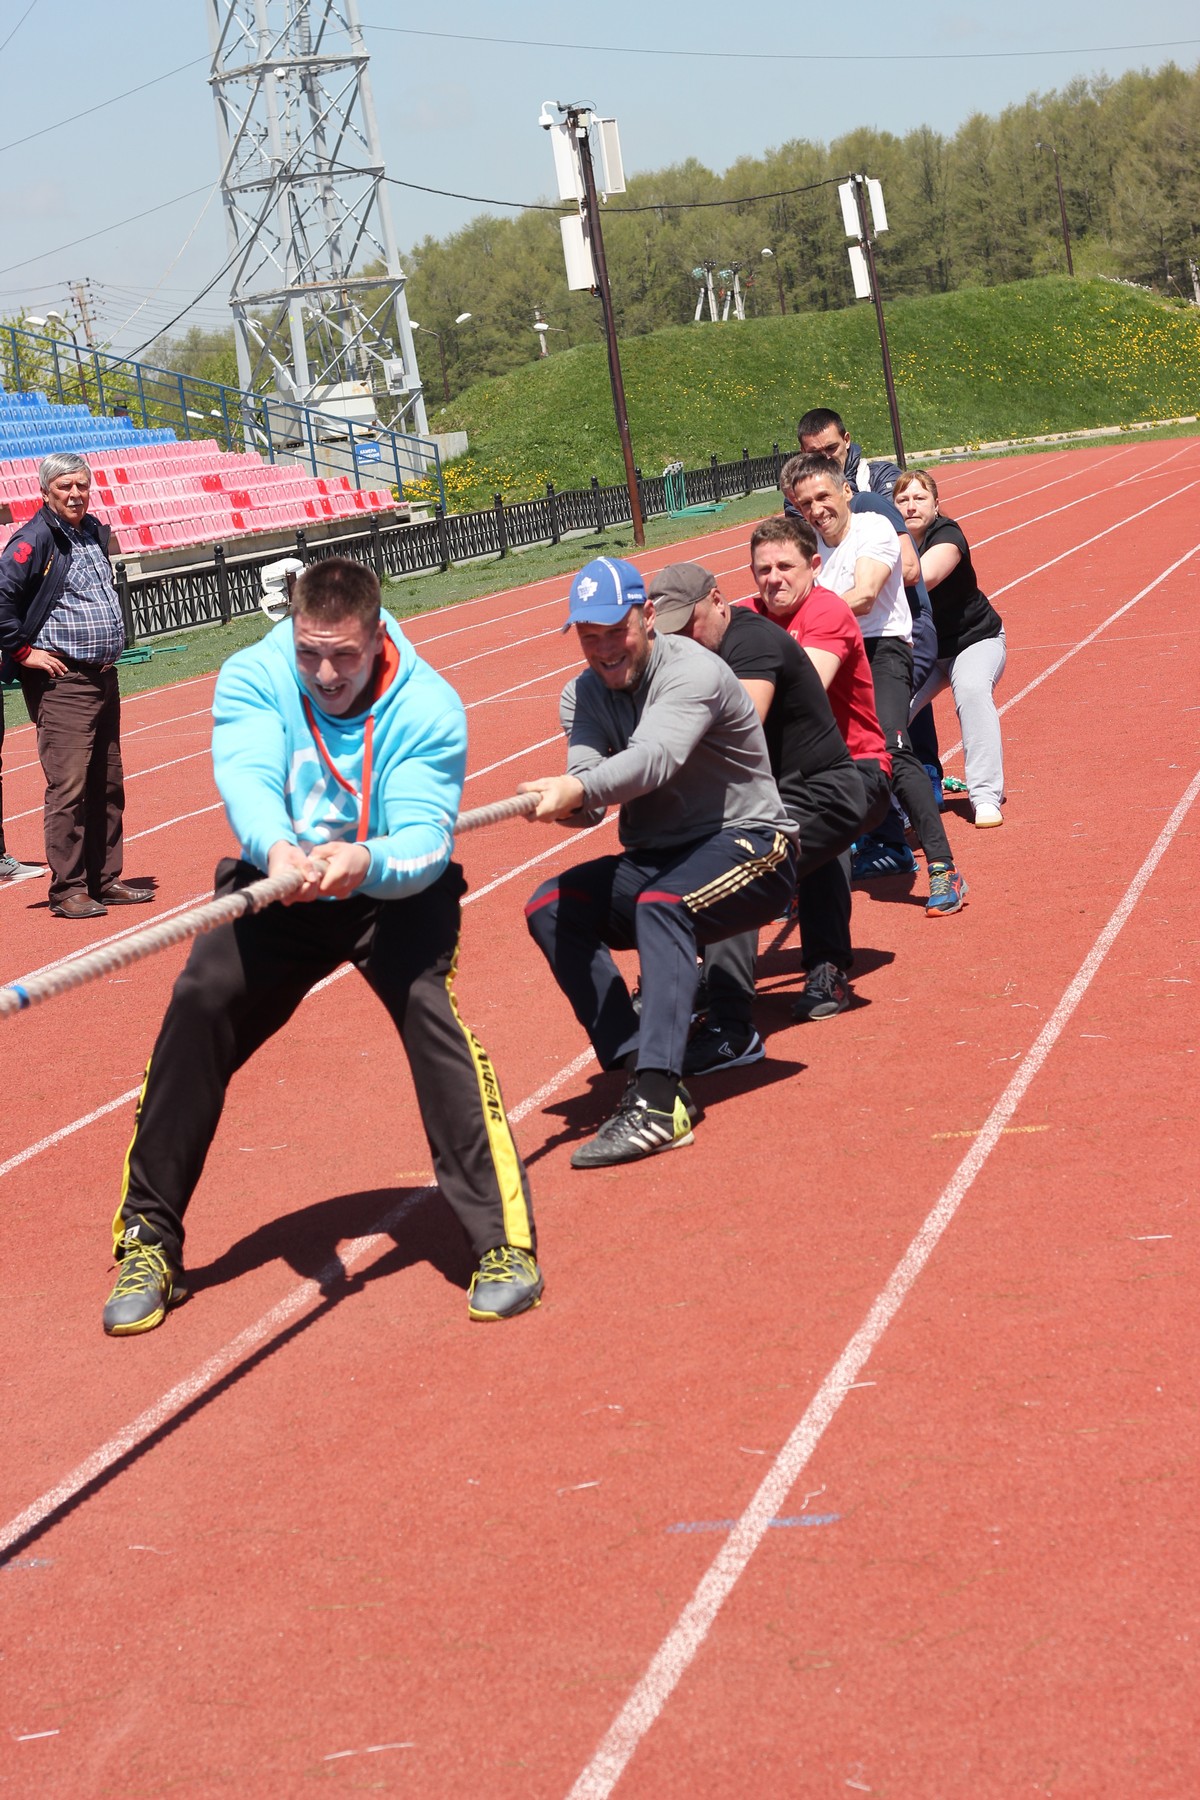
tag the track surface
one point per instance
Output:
(850, 1451)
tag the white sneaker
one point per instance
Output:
(987, 815)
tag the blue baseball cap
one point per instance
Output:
(603, 592)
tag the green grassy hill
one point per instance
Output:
(1035, 356)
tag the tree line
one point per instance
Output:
(976, 208)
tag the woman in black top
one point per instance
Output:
(971, 646)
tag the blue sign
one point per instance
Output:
(369, 452)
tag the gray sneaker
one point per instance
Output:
(507, 1282)
(147, 1287)
(826, 993)
(12, 870)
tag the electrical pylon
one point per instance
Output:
(306, 208)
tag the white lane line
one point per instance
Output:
(679, 1648)
(113, 937)
(570, 668)
(168, 687)
(132, 775)
(179, 819)
(1083, 642)
(710, 561)
(648, 561)
(975, 511)
(66, 1131)
(304, 1295)
(1110, 527)
(1093, 635)
(202, 712)
(1113, 523)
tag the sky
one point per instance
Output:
(459, 113)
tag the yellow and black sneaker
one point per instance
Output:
(635, 1130)
(507, 1282)
(148, 1285)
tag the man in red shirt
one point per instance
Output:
(784, 563)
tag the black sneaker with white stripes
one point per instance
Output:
(722, 1047)
(636, 1130)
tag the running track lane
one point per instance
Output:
(666, 1178)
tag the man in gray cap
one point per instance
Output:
(817, 779)
(658, 727)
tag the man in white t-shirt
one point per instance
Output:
(860, 560)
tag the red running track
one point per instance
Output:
(850, 1449)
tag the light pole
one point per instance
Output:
(859, 186)
(40, 324)
(430, 332)
(578, 119)
(1062, 205)
(779, 280)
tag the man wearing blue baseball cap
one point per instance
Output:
(658, 727)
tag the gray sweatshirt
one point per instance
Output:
(683, 755)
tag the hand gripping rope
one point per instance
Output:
(18, 996)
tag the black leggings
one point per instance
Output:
(891, 663)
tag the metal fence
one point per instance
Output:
(283, 431)
(226, 588)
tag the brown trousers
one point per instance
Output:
(77, 717)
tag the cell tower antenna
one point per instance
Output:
(306, 209)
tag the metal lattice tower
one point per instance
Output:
(306, 208)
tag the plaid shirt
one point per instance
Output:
(85, 622)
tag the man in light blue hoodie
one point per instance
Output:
(340, 754)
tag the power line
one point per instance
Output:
(774, 56)
(103, 230)
(12, 34)
(100, 104)
(809, 187)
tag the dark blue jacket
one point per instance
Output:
(33, 573)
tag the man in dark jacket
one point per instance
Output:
(61, 625)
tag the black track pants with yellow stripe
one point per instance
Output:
(664, 904)
(244, 981)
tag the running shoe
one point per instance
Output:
(876, 860)
(11, 869)
(148, 1285)
(634, 1131)
(987, 816)
(953, 785)
(722, 1047)
(826, 993)
(947, 891)
(507, 1282)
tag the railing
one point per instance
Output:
(151, 399)
(224, 589)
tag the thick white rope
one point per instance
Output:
(18, 996)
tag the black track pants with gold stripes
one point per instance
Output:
(244, 981)
(664, 905)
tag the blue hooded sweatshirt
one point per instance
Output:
(276, 776)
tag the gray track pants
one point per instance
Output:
(971, 676)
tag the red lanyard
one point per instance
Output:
(363, 798)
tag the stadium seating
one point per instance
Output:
(158, 493)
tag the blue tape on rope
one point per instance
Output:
(21, 993)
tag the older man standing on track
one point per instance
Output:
(341, 755)
(61, 624)
(663, 729)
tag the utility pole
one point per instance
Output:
(578, 118)
(1062, 205)
(78, 292)
(864, 228)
